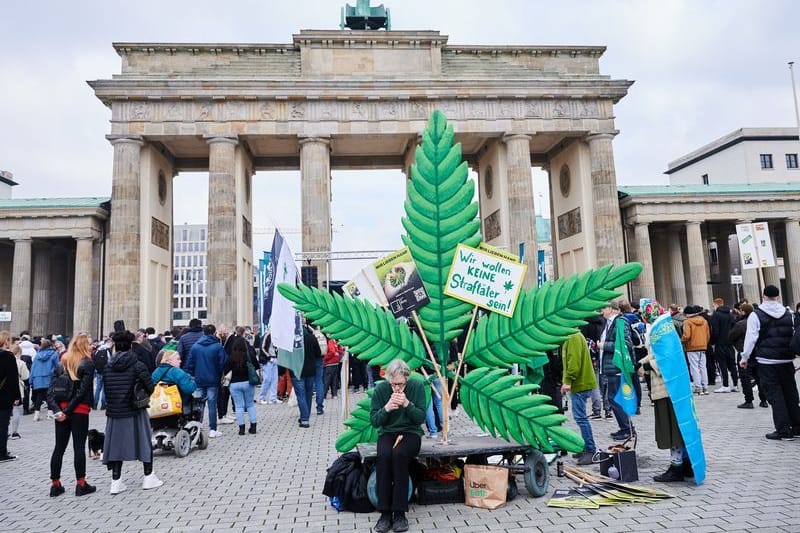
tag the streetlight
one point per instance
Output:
(794, 96)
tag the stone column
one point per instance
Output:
(21, 287)
(791, 262)
(222, 237)
(724, 255)
(315, 184)
(521, 211)
(41, 288)
(59, 280)
(698, 286)
(750, 285)
(123, 273)
(84, 261)
(678, 280)
(607, 222)
(647, 283)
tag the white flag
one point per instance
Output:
(282, 318)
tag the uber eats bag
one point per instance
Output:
(485, 487)
(165, 401)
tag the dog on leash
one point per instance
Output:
(95, 440)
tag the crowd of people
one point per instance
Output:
(725, 348)
(746, 345)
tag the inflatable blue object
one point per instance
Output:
(668, 352)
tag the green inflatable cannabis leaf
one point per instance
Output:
(498, 405)
(440, 214)
(545, 317)
(369, 332)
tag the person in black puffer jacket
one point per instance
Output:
(72, 415)
(128, 434)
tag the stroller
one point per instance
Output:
(182, 432)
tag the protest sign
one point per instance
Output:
(398, 277)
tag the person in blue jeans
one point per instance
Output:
(100, 359)
(579, 381)
(207, 358)
(304, 384)
(241, 389)
(436, 403)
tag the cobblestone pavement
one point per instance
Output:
(272, 481)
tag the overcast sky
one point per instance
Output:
(701, 69)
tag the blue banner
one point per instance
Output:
(541, 273)
(668, 353)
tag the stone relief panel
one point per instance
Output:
(355, 111)
(159, 233)
(570, 223)
(491, 226)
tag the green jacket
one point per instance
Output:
(578, 370)
(403, 419)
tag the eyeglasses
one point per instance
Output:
(401, 385)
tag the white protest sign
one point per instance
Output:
(486, 277)
(766, 258)
(747, 246)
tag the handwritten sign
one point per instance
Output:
(486, 277)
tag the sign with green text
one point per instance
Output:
(486, 277)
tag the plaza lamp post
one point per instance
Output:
(794, 96)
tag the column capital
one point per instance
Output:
(744, 222)
(516, 137)
(230, 139)
(23, 240)
(83, 237)
(601, 135)
(115, 139)
(693, 222)
(314, 139)
(793, 219)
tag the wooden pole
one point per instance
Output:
(442, 380)
(461, 355)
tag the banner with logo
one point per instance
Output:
(766, 257)
(399, 279)
(755, 245)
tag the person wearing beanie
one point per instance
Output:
(747, 375)
(769, 333)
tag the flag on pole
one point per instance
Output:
(626, 395)
(286, 324)
(269, 288)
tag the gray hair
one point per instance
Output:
(397, 367)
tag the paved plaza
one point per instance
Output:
(272, 481)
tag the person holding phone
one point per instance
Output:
(398, 410)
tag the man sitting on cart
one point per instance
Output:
(398, 410)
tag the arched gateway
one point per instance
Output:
(347, 99)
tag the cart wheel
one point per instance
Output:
(202, 439)
(372, 488)
(183, 443)
(537, 478)
(513, 490)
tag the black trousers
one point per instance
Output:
(392, 469)
(781, 389)
(711, 365)
(358, 373)
(223, 397)
(748, 376)
(76, 426)
(726, 360)
(39, 396)
(5, 418)
(329, 376)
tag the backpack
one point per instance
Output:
(101, 360)
(346, 484)
(60, 386)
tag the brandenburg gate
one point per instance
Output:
(351, 99)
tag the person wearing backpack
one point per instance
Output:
(100, 359)
(72, 415)
(42, 369)
(128, 434)
(769, 332)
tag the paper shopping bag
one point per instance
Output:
(165, 401)
(485, 486)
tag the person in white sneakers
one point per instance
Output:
(128, 434)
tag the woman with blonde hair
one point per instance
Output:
(72, 415)
(9, 392)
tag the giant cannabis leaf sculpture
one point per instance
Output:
(440, 214)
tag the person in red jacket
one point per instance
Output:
(330, 367)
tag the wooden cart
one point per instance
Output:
(519, 459)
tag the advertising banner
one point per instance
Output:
(365, 285)
(486, 277)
